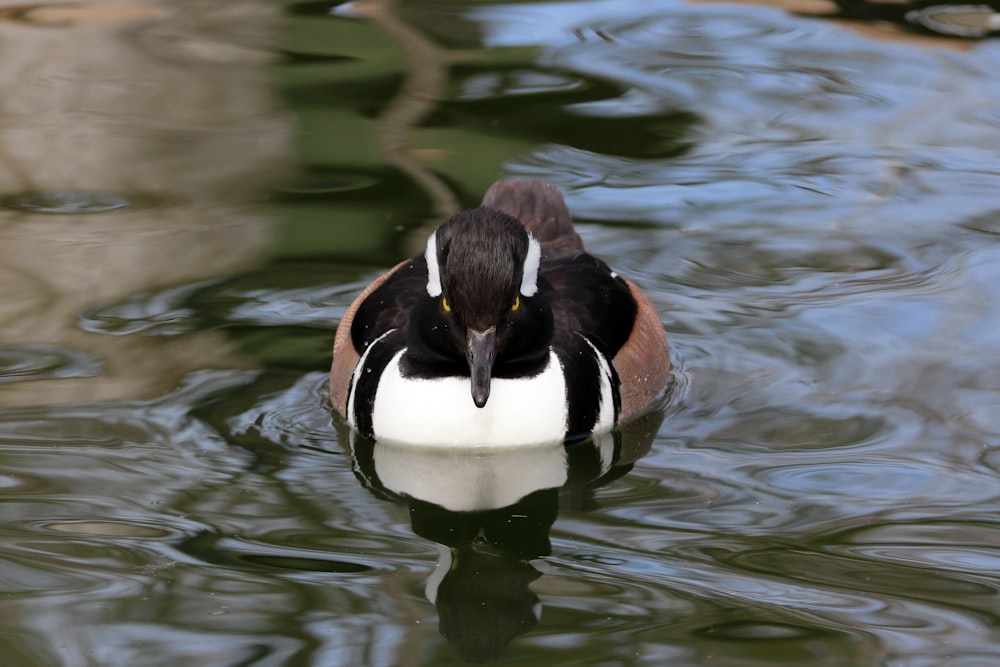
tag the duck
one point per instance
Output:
(504, 331)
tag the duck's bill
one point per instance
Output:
(481, 351)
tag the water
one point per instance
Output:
(194, 192)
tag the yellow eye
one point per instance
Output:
(517, 303)
(444, 304)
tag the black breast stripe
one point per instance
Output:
(583, 387)
(366, 377)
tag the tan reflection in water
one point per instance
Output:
(168, 105)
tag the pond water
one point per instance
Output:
(193, 192)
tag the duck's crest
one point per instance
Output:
(542, 210)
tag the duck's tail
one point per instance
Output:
(542, 210)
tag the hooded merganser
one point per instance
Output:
(504, 331)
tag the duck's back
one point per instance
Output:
(589, 298)
(542, 210)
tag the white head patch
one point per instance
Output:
(529, 279)
(433, 270)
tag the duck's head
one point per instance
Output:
(483, 309)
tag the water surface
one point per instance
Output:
(192, 194)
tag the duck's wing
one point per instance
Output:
(643, 361)
(542, 210)
(588, 299)
(385, 304)
(591, 302)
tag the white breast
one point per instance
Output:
(440, 411)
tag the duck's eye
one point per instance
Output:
(444, 304)
(517, 303)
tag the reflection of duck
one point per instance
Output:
(955, 19)
(491, 511)
(481, 584)
(506, 302)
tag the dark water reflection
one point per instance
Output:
(812, 208)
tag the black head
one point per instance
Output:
(484, 313)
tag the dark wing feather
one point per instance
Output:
(586, 299)
(390, 305)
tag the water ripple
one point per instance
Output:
(38, 362)
(886, 481)
(278, 295)
(233, 552)
(968, 546)
(63, 202)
